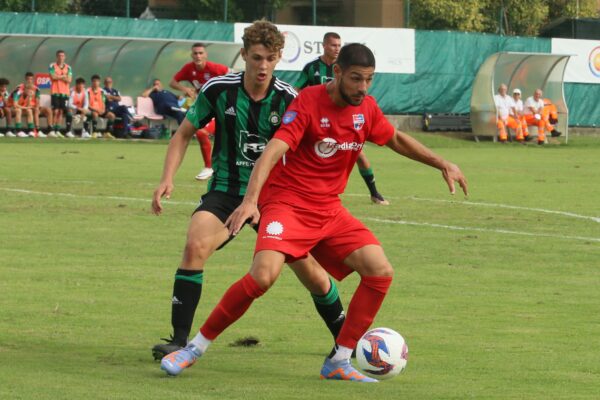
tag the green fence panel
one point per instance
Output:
(79, 25)
(584, 104)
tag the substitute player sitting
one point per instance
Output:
(247, 108)
(534, 107)
(301, 211)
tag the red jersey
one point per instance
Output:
(325, 141)
(198, 78)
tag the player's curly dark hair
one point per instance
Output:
(355, 54)
(4, 81)
(265, 33)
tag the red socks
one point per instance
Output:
(362, 309)
(205, 147)
(232, 306)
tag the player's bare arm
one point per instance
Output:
(175, 154)
(184, 89)
(409, 147)
(273, 152)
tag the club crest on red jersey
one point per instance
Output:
(358, 120)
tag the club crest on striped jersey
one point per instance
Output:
(275, 118)
(358, 120)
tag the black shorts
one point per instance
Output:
(59, 102)
(221, 205)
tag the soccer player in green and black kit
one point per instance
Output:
(320, 71)
(247, 108)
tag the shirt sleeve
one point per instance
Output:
(201, 112)
(181, 75)
(222, 69)
(381, 130)
(294, 123)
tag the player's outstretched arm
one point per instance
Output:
(409, 147)
(175, 153)
(174, 84)
(273, 152)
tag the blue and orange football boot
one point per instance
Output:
(179, 360)
(343, 371)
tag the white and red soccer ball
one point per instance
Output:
(381, 353)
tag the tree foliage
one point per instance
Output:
(512, 17)
(238, 10)
(49, 6)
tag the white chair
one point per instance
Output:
(145, 108)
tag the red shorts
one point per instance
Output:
(330, 236)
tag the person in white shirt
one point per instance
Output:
(534, 106)
(505, 109)
(518, 115)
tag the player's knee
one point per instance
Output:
(382, 268)
(197, 249)
(264, 276)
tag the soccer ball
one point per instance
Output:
(381, 353)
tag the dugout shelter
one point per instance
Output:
(131, 62)
(526, 71)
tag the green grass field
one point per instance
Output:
(497, 295)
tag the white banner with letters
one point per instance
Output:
(394, 48)
(584, 65)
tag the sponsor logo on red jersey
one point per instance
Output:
(358, 120)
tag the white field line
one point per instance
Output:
(491, 205)
(380, 220)
(475, 229)
(508, 206)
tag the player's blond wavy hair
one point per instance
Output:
(265, 33)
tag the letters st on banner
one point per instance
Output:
(394, 48)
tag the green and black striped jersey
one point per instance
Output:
(315, 73)
(242, 126)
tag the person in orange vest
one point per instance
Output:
(98, 108)
(505, 110)
(61, 76)
(5, 110)
(38, 110)
(24, 104)
(79, 105)
(550, 117)
(533, 108)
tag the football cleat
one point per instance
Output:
(162, 349)
(379, 200)
(174, 363)
(343, 371)
(10, 134)
(69, 135)
(85, 134)
(556, 133)
(22, 134)
(204, 174)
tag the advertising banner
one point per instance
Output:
(394, 49)
(584, 66)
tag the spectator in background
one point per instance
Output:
(98, 109)
(5, 110)
(23, 105)
(550, 116)
(534, 106)
(165, 103)
(517, 113)
(44, 111)
(505, 109)
(79, 109)
(113, 97)
(197, 72)
(61, 76)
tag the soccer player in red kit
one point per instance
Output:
(197, 72)
(301, 173)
